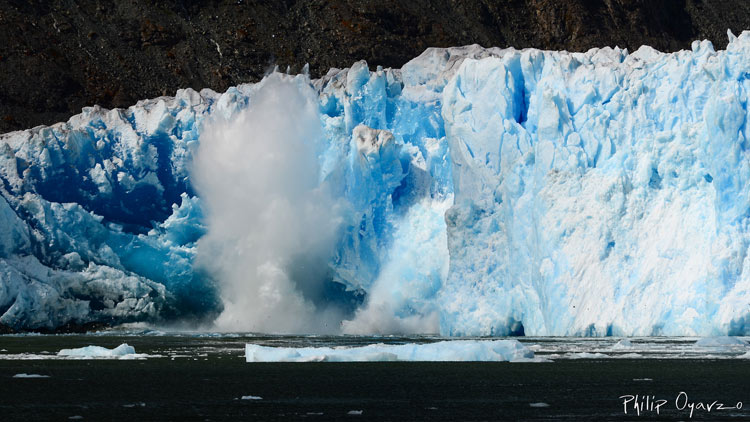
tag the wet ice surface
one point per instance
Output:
(174, 345)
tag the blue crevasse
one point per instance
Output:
(505, 191)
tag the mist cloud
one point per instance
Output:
(272, 226)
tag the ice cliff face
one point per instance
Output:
(602, 193)
(478, 192)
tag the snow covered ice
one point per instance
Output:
(472, 192)
(121, 351)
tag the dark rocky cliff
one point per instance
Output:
(58, 56)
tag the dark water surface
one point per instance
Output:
(204, 377)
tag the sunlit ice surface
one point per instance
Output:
(473, 192)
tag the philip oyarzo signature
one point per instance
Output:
(638, 404)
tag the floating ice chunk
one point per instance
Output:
(538, 404)
(629, 356)
(643, 379)
(355, 412)
(720, 341)
(623, 344)
(251, 398)
(586, 355)
(535, 347)
(459, 350)
(24, 375)
(98, 352)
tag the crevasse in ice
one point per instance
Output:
(488, 191)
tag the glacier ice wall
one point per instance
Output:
(607, 193)
(472, 192)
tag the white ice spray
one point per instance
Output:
(272, 225)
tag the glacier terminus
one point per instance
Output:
(473, 192)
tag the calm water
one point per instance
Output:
(203, 376)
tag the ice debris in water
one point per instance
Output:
(457, 350)
(623, 344)
(120, 351)
(723, 341)
(24, 375)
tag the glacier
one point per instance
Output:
(473, 192)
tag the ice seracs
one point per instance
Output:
(478, 191)
(606, 192)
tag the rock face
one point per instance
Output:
(57, 57)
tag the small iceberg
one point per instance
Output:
(629, 356)
(30, 376)
(442, 351)
(122, 351)
(623, 344)
(586, 355)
